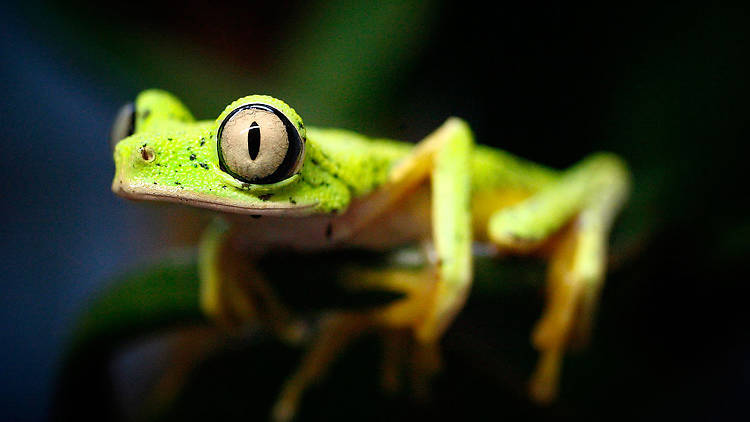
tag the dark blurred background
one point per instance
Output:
(663, 85)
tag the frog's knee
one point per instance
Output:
(609, 164)
(458, 127)
(511, 229)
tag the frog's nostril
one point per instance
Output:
(147, 153)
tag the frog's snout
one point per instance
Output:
(128, 158)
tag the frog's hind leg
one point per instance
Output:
(233, 292)
(580, 207)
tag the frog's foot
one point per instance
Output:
(396, 322)
(578, 209)
(400, 353)
(336, 332)
(404, 354)
(405, 357)
(234, 293)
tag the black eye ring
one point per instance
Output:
(124, 124)
(294, 154)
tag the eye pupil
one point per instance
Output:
(241, 153)
(253, 140)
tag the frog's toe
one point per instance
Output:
(336, 332)
(575, 276)
(407, 361)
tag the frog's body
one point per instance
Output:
(349, 190)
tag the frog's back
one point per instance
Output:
(494, 168)
(363, 163)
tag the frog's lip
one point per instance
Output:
(175, 195)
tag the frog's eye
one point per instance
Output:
(124, 125)
(259, 144)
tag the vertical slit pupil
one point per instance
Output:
(253, 140)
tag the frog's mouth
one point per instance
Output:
(159, 193)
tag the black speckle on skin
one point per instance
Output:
(155, 183)
(188, 148)
(144, 145)
(204, 165)
(158, 165)
(265, 196)
(223, 186)
(292, 201)
(255, 216)
(314, 161)
(329, 230)
(195, 165)
(169, 139)
(192, 157)
(176, 182)
(203, 141)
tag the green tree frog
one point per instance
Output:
(280, 185)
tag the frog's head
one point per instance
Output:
(254, 158)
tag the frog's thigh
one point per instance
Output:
(588, 196)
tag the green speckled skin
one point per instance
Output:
(339, 165)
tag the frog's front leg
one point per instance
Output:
(233, 292)
(444, 157)
(433, 296)
(433, 301)
(451, 226)
(580, 207)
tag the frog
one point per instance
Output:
(275, 184)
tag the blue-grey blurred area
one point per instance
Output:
(664, 86)
(63, 232)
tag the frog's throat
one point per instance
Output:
(177, 195)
